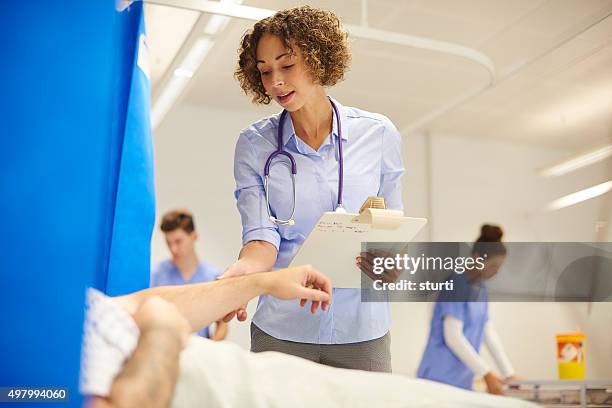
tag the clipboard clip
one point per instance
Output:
(373, 202)
(374, 212)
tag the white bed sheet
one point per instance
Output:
(221, 374)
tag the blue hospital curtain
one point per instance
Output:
(129, 262)
(76, 178)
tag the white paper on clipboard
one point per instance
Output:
(335, 241)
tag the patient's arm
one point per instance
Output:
(205, 303)
(148, 377)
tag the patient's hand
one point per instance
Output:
(158, 314)
(302, 282)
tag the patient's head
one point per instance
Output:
(489, 246)
(179, 229)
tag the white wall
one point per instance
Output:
(466, 182)
(194, 152)
(475, 181)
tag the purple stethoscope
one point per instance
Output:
(279, 151)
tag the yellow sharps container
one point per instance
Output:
(570, 355)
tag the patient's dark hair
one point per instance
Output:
(489, 242)
(177, 219)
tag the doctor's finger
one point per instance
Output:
(369, 256)
(241, 313)
(364, 264)
(314, 306)
(319, 280)
(314, 294)
(229, 316)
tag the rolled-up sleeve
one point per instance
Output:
(250, 195)
(392, 167)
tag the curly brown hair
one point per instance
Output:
(317, 33)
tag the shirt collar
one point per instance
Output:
(289, 130)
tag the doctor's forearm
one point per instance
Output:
(258, 256)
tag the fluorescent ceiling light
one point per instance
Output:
(578, 162)
(196, 54)
(171, 92)
(182, 72)
(177, 82)
(231, 9)
(215, 24)
(580, 196)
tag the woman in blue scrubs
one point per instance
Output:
(459, 328)
(291, 58)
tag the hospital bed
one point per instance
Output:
(221, 375)
(564, 393)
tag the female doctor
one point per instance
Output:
(340, 155)
(458, 328)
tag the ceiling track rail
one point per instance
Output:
(356, 31)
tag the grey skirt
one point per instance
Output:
(371, 355)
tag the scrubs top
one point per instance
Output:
(166, 273)
(439, 363)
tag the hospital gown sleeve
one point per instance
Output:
(250, 195)
(110, 337)
(392, 166)
(461, 347)
(494, 344)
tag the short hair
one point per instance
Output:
(177, 219)
(317, 33)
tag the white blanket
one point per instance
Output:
(221, 374)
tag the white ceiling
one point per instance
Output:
(553, 63)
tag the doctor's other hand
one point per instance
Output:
(494, 384)
(238, 268)
(300, 282)
(365, 262)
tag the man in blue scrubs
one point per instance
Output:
(185, 267)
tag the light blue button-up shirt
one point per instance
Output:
(372, 167)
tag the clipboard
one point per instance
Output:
(336, 239)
